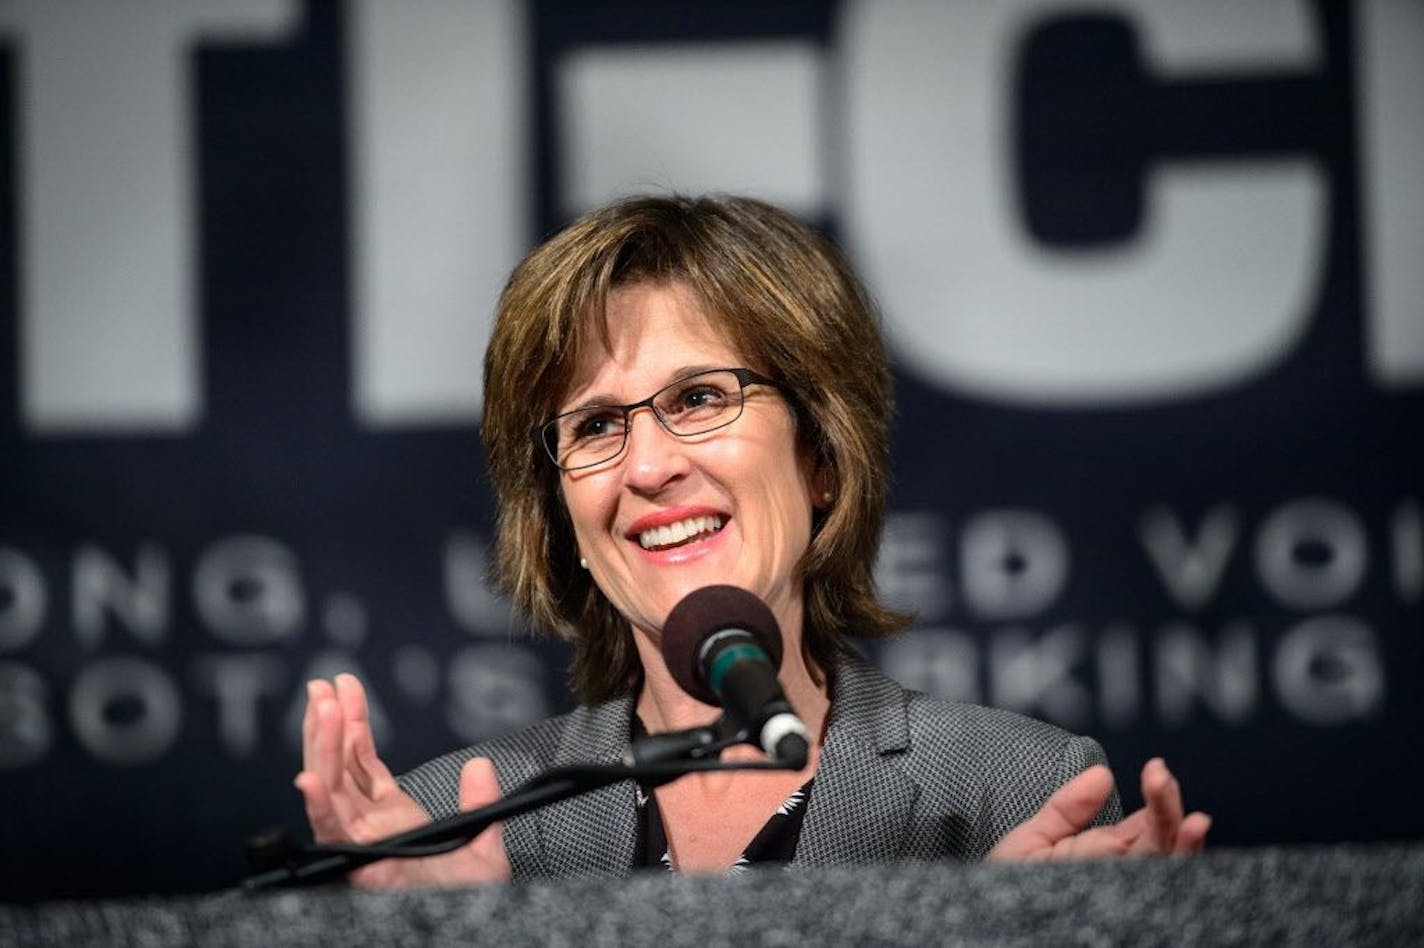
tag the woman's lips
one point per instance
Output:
(679, 534)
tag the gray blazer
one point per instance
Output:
(902, 776)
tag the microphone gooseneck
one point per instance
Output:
(723, 646)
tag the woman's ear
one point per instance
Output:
(823, 485)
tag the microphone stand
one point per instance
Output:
(281, 864)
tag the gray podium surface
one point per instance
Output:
(1318, 896)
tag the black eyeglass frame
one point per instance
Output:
(744, 378)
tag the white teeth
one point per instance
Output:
(674, 533)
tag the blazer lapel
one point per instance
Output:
(861, 802)
(592, 833)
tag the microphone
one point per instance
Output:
(671, 745)
(723, 646)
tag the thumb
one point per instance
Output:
(1074, 804)
(479, 787)
(1063, 814)
(478, 784)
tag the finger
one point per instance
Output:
(381, 875)
(359, 755)
(321, 815)
(325, 757)
(1163, 797)
(479, 787)
(1191, 835)
(316, 690)
(1100, 842)
(308, 723)
(1130, 828)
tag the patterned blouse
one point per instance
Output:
(774, 843)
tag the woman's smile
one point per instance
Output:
(677, 528)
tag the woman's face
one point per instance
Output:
(749, 476)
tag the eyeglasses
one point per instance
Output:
(690, 406)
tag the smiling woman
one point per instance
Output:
(682, 393)
(755, 288)
(752, 476)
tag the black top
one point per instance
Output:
(774, 843)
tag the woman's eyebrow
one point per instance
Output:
(686, 370)
(603, 399)
(593, 401)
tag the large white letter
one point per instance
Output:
(22, 600)
(1218, 285)
(1191, 570)
(1312, 553)
(721, 116)
(1027, 674)
(108, 328)
(248, 590)
(1222, 675)
(438, 151)
(942, 662)
(911, 570)
(1329, 671)
(1391, 75)
(26, 731)
(1014, 562)
(152, 703)
(238, 683)
(493, 690)
(101, 588)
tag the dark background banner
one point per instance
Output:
(1150, 273)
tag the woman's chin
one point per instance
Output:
(656, 601)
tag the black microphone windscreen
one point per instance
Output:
(704, 612)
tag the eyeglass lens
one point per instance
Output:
(689, 406)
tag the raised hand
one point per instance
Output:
(1057, 830)
(351, 795)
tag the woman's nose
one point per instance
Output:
(655, 456)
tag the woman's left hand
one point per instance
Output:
(1057, 830)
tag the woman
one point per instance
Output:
(709, 398)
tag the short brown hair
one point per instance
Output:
(789, 303)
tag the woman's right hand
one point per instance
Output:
(351, 796)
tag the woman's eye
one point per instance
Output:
(597, 426)
(701, 396)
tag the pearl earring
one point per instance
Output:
(583, 562)
(826, 497)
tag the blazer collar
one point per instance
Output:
(862, 801)
(868, 707)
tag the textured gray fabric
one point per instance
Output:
(902, 776)
(1314, 897)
